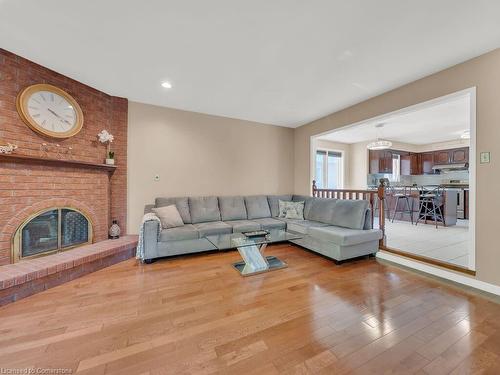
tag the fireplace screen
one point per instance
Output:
(50, 231)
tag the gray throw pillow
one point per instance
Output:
(291, 210)
(169, 216)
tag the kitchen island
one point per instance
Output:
(448, 203)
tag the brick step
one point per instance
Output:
(31, 276)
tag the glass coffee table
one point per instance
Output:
(252, 250)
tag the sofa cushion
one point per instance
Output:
(257, 207)
(345, 236)
(232, 208)
(213, 228)
(270, 223)
(204, 209)
(291, 210)
(273, 201)
(243, 225)
(302, 226)
(186, 232)
(181, 203)
(169, 216)
(321, 209)
(350, 213)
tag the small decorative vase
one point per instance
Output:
(110, 161)
(114, 230)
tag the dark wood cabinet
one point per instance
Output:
(459, 155)
(380, 161)
(416, 163)
(427, 162)
(386, 161)
(454, 156)
(442, 157)
(411, 164)
(374, 159)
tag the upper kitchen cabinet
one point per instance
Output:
(454, 156)
(442, 157)
(411, 164)
(380, 161)
(427, 162)
(459, 155)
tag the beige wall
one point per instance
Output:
(482, 72)
(231, 157)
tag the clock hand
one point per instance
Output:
(55, 114)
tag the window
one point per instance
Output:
(328, 171)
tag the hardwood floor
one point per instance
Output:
(197, 315)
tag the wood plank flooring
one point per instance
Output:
(197, 315)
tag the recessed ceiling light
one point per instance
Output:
(167, 85)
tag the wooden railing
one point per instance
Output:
(372, 196)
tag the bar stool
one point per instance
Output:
(430, 206)
(405, 195)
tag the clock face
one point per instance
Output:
(50, 111)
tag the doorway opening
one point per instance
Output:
(425, 154)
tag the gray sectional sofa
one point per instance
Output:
(338, 229)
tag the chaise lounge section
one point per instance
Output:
(337, 229)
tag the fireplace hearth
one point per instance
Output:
(52, 230)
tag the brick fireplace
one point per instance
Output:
(46, 173)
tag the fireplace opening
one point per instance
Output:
(50, 231)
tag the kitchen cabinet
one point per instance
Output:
(380, 161)
(414, 163)
(411, 164)
(427, 162)
(453, 156)
(459, 155)
(442, 157)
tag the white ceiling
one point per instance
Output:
(437, 123)
(282, 62)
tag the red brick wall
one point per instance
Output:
(28, 187)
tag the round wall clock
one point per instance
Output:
(50, 111)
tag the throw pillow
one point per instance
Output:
(169, 216)
(291, 210)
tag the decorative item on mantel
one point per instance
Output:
(106, 138)
(9, 148)
(114, 230)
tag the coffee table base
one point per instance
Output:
(274, 264)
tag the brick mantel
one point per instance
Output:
(28, 184)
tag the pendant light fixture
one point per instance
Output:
(379, 144)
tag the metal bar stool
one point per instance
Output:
(405, 195)
(430, 206)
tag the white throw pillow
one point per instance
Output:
(169, 216)
(291, 210)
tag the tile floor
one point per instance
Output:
(447, 244)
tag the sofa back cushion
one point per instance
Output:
(273, 201)
(232, 208)
(204, 209)
(320, 209)
(169, 216)
(180, 202)
(350, 213)
(339, 212)
(257, 207)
